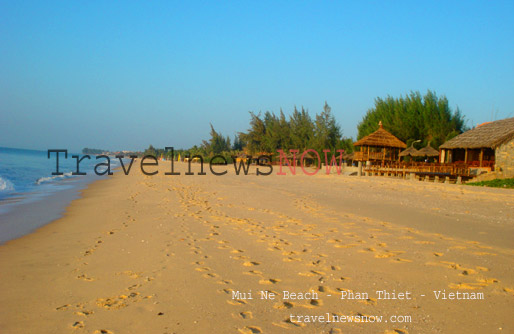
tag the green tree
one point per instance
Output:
(302, 129)
(428, 118)
(255, 137)
(217, 143)
(238, 143)
(150, 151)
(327, 132)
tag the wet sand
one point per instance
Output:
(167, 254)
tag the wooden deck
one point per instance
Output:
(423, 171)
(365, 156)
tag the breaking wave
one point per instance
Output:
(6, 185)
(53, 178)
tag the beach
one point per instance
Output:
(265, 254)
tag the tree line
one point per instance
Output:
(428, 118)
(414, 117)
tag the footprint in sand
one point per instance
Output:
(269, 281)
(250, 263)
(400, 260)
(312, 273)
(467, 286)
(236, 302)
(369, 301)
(245, 315)
(84, 313)
(253, 272)
(288, 324)
(85, 278)
(396, 331)
(313, 303)
(250, 330)
(283, 305)
(78, 324)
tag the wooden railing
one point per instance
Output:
(421, 168)
(365, 156)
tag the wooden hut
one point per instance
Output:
(379, 146)
(489, 145)
(308, 159)
(261, 157)
(410, 151)
(427, 152)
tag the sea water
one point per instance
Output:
(30, 196)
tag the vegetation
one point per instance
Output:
(413, 117)
(271, 132)
(92, 151)
(496, 183)
(217, 143)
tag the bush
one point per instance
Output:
(496, 183)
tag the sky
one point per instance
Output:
(124, 75)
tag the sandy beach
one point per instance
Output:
(181, 254)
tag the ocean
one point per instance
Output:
(30, 196)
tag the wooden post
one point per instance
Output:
(466, 156)
(481, 156)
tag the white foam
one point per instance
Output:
(6, 185)
(53, 178)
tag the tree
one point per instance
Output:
(414, 117)
(327, 132)
(217, 143)
(302, 129)
(255, 137)
(150, 151)
(238, 143)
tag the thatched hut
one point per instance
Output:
(345, 158)
(307, 158)
(427, 152)
(379, 146)
(410, 151)
(348, 157)
(489, 145)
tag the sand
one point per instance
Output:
(167, 254)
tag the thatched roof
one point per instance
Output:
(427, 151)
(409, 151)
(345, 156)
(291, 156)
(307, 155)
(380, 138)
(489, 135)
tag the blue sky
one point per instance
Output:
(123, 75)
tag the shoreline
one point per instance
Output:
(137, 253)
(23, 214)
